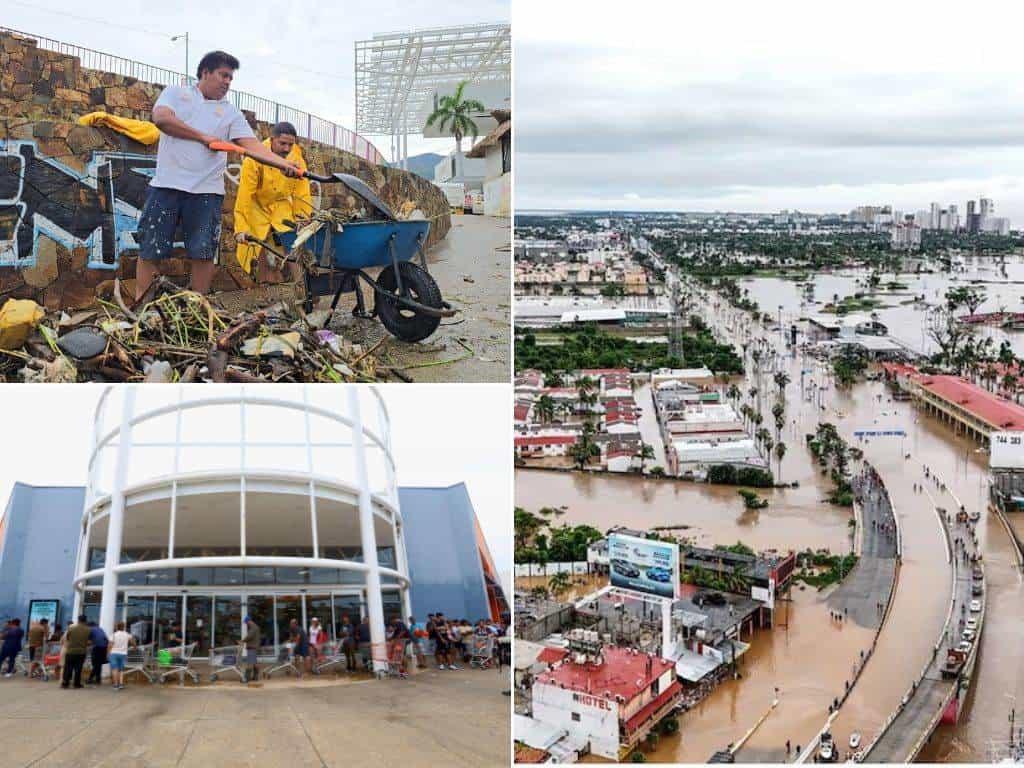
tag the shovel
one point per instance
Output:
(354, 183)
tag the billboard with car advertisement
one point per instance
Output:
(644, 565)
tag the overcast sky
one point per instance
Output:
(297, 54)
(441, 435)
(764, 106)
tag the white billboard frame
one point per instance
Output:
(642, 555)
(1006, 450)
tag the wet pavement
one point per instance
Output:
(472, 268)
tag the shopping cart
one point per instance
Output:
(396, 659)
(50, 660)
(481, 651)
(286, 662)
(140, 661)
(332, 654)
(176, 661)
(227, 659)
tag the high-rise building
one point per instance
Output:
(936, 217)
(972, 221)
(986, 212)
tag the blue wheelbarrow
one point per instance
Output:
(406, 298)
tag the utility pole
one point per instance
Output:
(188, 77)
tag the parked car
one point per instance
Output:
(977, 573)
(968, 635)
(975, 606)
(977, 589)
(709, 598)
(972, 623)
(964, 647)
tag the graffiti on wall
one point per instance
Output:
(97, 210)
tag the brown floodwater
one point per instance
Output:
(918, 613)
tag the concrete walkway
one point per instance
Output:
(472, 268)
(865, 592)
(433, 719)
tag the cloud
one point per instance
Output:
(756, 107)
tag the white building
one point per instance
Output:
(612, 701)
(496, 151)
(690, 456)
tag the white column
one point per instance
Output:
(667, 640)
(402, 565)
(374, 604)
(115, 522)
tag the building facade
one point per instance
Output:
(292, 515)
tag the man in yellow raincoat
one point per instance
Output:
(267, 198)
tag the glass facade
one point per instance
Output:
(214, 620)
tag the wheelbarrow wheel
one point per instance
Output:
(408, 324)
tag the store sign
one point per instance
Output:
(591, 701)
(644, 565)
(1007, 450)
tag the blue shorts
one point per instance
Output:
(166, 209)
(117, 662)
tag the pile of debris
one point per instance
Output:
(176, 335)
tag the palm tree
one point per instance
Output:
(559, 583)
(733, 393)
(781, 380)
(453, 112)
(645, 453)
(545, 409)
(780, 452)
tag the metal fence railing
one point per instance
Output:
(308, 126)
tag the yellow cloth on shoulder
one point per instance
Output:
(142, 131)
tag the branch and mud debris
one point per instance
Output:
(175, 335)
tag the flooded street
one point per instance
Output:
(810, 659)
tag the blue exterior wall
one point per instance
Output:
(444, 564)
(37, 553)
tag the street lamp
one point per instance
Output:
(188, 78)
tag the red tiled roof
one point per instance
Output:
(619, 675)
(980, 403)
(545, 440)
(653, 706)
(604, 371)
(521, 412)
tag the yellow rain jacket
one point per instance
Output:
(266, 197)
(142, 131)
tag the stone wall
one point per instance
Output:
(70, 194)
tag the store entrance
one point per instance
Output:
(215, 620)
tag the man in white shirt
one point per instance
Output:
(188, 187)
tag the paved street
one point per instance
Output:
(864, 594)
(435, 718)
(472, 269)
